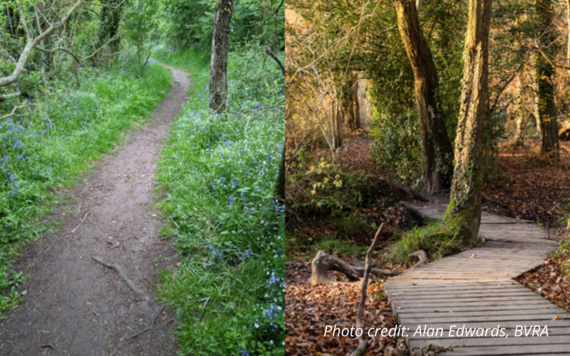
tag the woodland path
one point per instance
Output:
(475, 288)
(74, 305)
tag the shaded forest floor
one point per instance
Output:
(523, 187)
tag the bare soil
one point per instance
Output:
(74, 305)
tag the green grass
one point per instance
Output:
(50, 146)
(218, 175)
(436, 239)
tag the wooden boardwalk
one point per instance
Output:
(476, 289)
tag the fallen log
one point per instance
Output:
(353, 270)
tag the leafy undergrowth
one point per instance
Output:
(336, 208)
(309, 309)
(218, 173)
(47, 145)
(529, 188)
(327, 203)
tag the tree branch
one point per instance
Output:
(13, 110)
(274, 56)
(31, 43)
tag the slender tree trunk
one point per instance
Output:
(464, 210)
(520, 131)
(280, 186)
(544, 75)
(348, 106)
(219, 63)
(336, 124)
(356, 105)
(437, 149)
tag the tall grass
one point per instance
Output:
(48, 145)
(218, 173)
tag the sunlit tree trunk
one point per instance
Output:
(464, 210)
(437, 149)
(544, 75)
(219, 62)
(521, 116)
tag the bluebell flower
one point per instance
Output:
(243, 353)
(257, 105)
(211, 247)
(231, 200)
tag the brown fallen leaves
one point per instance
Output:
(550, 281)
(309, 309)
(527, 187)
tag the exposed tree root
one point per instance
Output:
(148, 327)
(122, 274)
(421, 255)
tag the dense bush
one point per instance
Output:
(218, 173)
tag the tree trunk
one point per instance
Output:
(464, 210)
(219, 63)
(348, 106)
(437, 149)
(280, 186)
(544, 75)
(336, 125)
(520, 131)
(109, 26)
(357, 119)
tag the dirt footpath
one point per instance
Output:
(75, 305)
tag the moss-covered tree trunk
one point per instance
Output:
(544, 76)
(464, 210)
(437, 149)
(218, 100)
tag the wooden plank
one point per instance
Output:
(490, 341)
(460, 314)
(476, 308)
(452, 318)
(479, 292)
(510, 350)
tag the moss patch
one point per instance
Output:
(438, 239)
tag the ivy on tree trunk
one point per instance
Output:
(464, 210)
